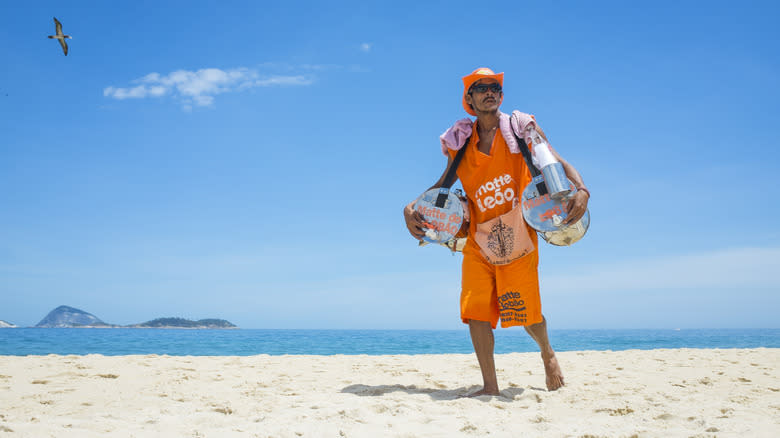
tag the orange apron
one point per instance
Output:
(492, 182)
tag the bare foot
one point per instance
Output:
(552, 370)
(482, 391)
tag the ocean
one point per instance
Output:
(245, 342)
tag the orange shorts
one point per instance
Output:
(510, 292)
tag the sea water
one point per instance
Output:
(244, 342)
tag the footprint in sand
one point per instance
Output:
(616, 412)
(726, 412)
(469, 428)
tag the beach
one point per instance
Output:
(643, 393)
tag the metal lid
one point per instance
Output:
(445, 221)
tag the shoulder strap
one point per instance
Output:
(540, 187)
(449, 178)
(523, 146)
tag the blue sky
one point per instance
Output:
(250, 161)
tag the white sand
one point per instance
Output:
(658, 393)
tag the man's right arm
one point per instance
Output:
(414, 219)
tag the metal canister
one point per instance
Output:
(546, 214)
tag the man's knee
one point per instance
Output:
(480, 324)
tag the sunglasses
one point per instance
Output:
(481, 88)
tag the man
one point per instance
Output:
(489, 291)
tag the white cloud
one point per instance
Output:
(321, 67)
(730, 268)
(366, 47)
(126, 93)
(157, 91)
(283, 80)
(198, 88)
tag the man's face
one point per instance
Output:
(483, 95)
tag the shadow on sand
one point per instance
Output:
(507, 395)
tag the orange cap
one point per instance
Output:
(480, 73)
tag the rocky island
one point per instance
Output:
(185, 323)
(70, 317)
(66, 317)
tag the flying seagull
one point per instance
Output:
(60, 36)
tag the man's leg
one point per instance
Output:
(482, 338)
(552, 370)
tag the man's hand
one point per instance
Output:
(415, 221)
(576, 207)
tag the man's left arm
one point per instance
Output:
(579, 202)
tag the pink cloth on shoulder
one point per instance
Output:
(455, 137)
